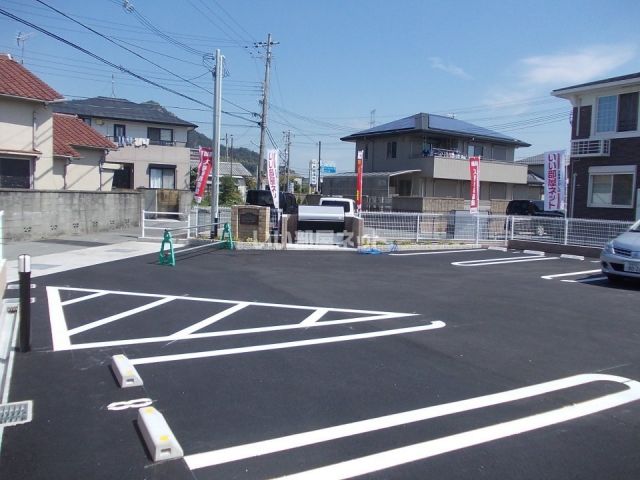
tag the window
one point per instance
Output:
(628, 112)
(119, 131)
(606, 115)
(162, 176)
(500, 154)
(160, 136)
(366, 152)
(392, 149)
(475, 150)
(611, 186)
(15, 173)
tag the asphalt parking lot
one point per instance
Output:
(451, 365)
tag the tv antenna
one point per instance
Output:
(21, 39)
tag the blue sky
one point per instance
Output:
(491, 63)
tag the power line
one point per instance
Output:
(123, 47)
(103, 60)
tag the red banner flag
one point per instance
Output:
(474, 174)
(359, 180)
(204, 170)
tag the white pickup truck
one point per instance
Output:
(347, 204)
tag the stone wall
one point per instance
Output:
(39, 214)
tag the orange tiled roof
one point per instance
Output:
(69, 131)
(17, 81)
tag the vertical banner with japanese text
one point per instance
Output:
(359, 160)
(474, 176)
(272, 176)
(204, 170)
(554, 180)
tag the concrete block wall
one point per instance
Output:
(39, 214)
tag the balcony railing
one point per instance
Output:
(590, 148)
(143, 142)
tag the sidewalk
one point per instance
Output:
(67, 252)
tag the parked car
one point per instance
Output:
(531, 207)
(540, 227)
(620, 258)
(263, 198)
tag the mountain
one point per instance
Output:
(246, 157)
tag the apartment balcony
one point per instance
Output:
(590, 148)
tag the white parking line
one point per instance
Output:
(431, 448)
(570, 274)
(278, 346)
(501, 261)
(439, 252)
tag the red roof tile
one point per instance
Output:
(17, 81)
(69, 131)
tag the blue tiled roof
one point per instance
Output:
(120, 109)
(426, 122)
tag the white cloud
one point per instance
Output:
(562, 69)
(438, 63)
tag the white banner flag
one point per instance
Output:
(272, 176)
(554, 180)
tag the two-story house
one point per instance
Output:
(605, 146)
(426, 155)
(151, 141)
(39, 149)
(26, 126)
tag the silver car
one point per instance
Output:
(620, 257)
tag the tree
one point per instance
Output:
(229, 194)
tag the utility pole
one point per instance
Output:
(231, 156)
(320, 166)
(287, 143)
(265, 105)
(218, 72)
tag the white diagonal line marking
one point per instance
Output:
(208, 321)
(315, 316)
(86, 297)
(113, 318)
(278, 346)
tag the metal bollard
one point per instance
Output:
(24, 274)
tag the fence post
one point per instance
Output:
(142, 223)
(478, 228)
(507, 226)
(566, 230)
(189, 224)
(418, 227)
(24, 274)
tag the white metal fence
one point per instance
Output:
(462, 226)
(418, 227)
(182, 225)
